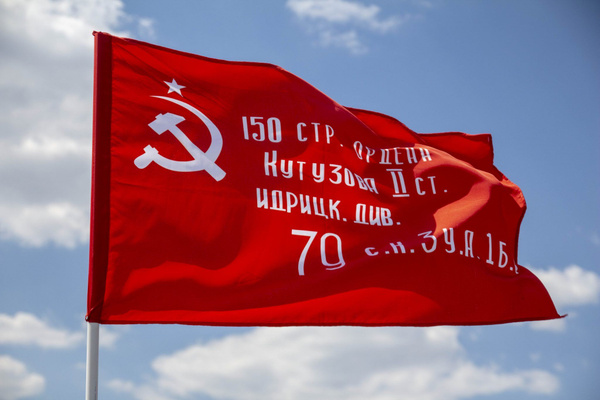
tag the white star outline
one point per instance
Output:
(174, 87)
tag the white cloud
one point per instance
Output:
(47, 20)
(146, 27)
(568, 288)
(573, 286)
(348, 40)
(64, 224)
(552, 325)
(336, 22)
(109, 336)
(16, 382)
(27, 329)
(46, 71)
(343, 11)
(333, 363)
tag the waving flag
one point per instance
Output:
(232, 193)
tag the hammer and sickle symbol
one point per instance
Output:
(202, 161)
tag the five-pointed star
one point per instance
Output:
(174, 87)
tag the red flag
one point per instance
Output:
(231, 193)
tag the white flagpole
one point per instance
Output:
(91, 368)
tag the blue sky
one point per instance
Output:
(528, 72)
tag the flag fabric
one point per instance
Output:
(235, 193)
